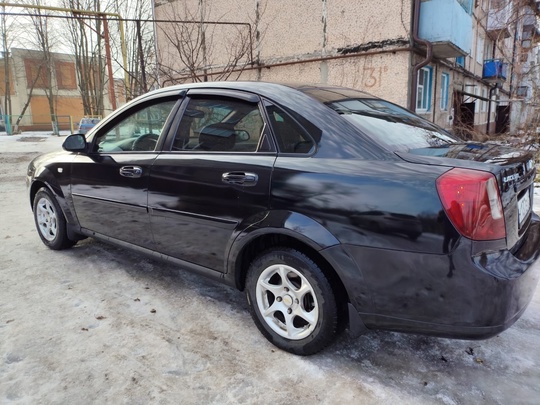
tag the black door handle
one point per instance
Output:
(240, 178)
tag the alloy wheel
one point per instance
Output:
(47, 219)
(287, 302)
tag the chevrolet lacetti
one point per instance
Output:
(329, 207)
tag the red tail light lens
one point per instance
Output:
(472, 201)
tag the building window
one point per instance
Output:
(484, 102)
(467, 5)
(65, 75)
(488, 49)
(445, 82)
(480, 49)
(460, 61)
(423, 90)
(522, 91)
(36, 74)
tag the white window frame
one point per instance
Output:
(480, 44)
(423, 91)
(445, 85)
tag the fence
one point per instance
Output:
(15, 124)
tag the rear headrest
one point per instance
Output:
(218, 137)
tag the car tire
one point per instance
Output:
(292, 301)
(50, 221)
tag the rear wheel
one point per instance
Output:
(50, 221)
(291, 301)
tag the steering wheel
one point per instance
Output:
(146, 142)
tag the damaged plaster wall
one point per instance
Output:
(286, 33)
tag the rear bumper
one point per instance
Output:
(455, 295)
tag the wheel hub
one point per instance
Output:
(287, 300)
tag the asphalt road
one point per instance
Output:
(97, 324)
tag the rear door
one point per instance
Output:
(110, 184)
(215, 180)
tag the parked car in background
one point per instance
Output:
(87, 124)
(329, 207)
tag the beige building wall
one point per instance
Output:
(285, 32)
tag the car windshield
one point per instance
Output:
(394, 127)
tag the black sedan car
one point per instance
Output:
(331, 208)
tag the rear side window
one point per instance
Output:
(291, 137)
(391, 126)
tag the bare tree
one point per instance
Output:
(140, 46)
(35, 79)
(42, 36)
(8, 30)
(204, 48)
(87, 44)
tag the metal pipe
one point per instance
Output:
(489, 108)
(295, 62)
(429, 55)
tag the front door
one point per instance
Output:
(110, 184)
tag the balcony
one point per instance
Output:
(447, 25)
(495, 70)
(499, 18)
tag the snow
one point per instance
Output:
(98, 324)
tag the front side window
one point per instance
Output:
(139, 131)
(220, 125)
(423, 90)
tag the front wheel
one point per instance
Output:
(291, 301)
(50, 221)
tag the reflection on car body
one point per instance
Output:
(388, 222)
(329, 207)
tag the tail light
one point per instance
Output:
(472, 202)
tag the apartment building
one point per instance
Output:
(459, 63)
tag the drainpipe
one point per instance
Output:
(491, 90)
(514, 50)
(429, 55)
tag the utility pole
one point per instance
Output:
(7, 79)
(109, 62)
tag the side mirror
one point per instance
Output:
(75, 143)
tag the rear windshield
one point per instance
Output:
(390, 125)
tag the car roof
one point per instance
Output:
(321, 92)
(328, 94)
